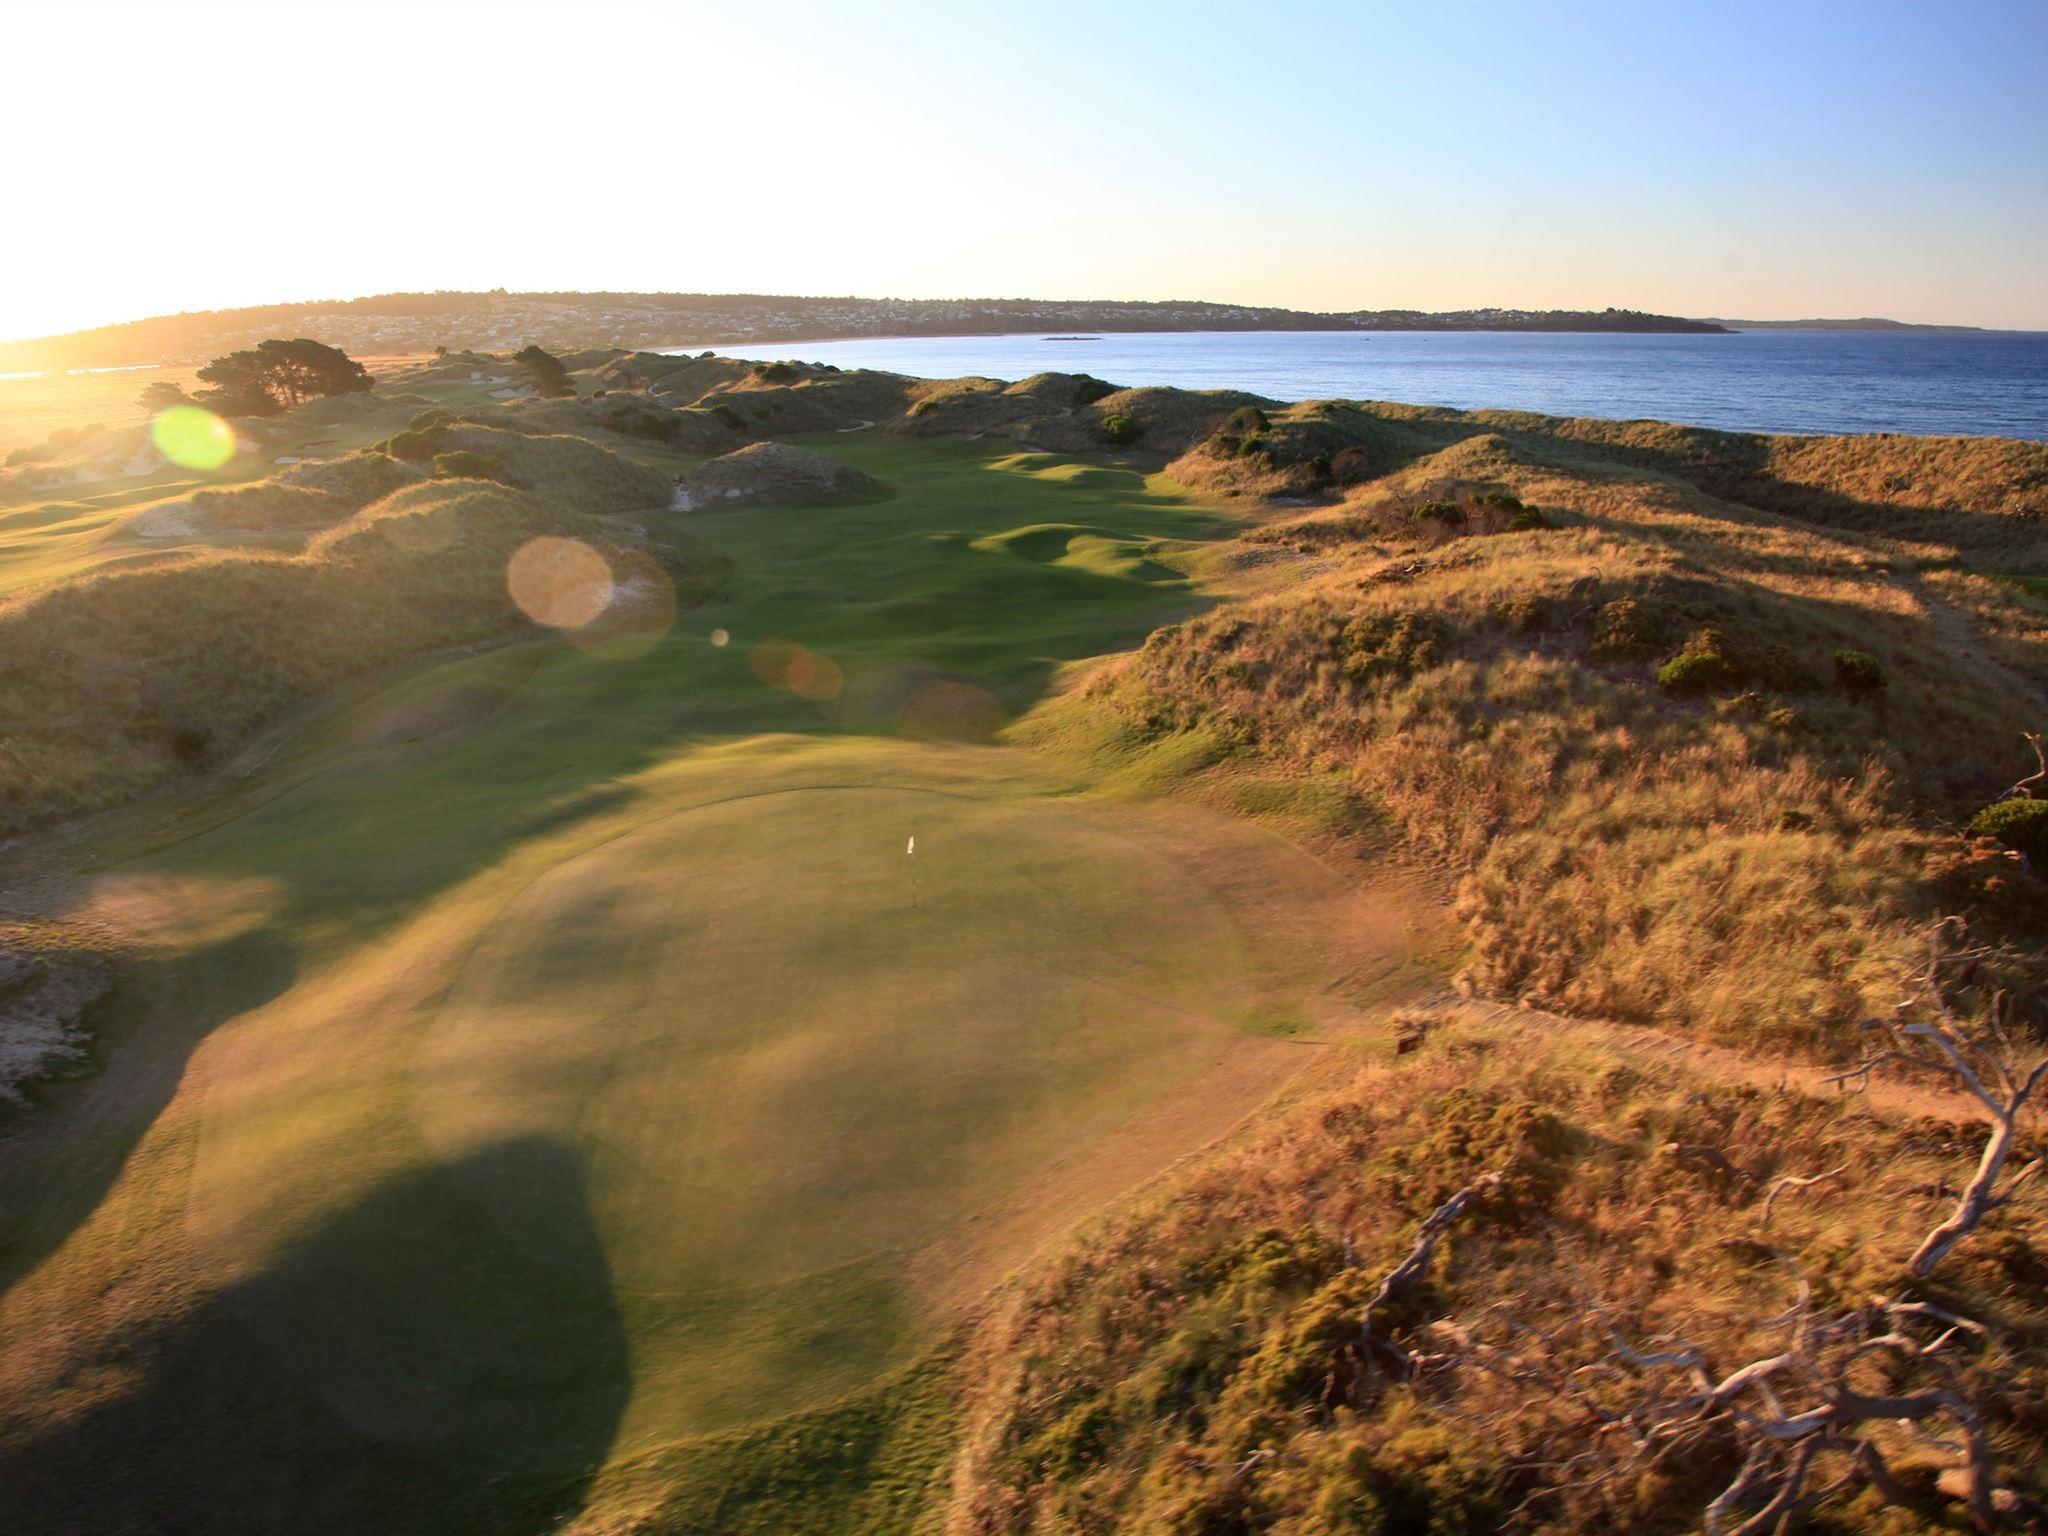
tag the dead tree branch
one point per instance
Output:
(1407, 1276)
(2035, 783)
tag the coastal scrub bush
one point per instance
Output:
(1629, 629)
(426, 421)
(2019, 824)
(1246, 421)
(1120, 430)
(467, 464)
(417, 447)
(1527, 520)
(1392, 645)
(1695, 672)
(1860, 676)
(1448, 513)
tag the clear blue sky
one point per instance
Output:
(1760, 160)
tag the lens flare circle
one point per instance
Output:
(562, 583)
(785, 664)
(192, 437)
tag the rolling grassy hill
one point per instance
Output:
(541, 1094)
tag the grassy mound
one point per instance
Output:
(1068, 413)
(306, 496)
(1749, 848)
(118, 682)
(630, 417)
(571, 472)
(776, 475)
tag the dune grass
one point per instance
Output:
(115, 683)
(1180, 1368)
(1757, 859)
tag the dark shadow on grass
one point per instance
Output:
(74, 1143)
(401, 1369)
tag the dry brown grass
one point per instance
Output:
(1180, 1369)
(1755, 863)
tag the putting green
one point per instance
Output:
(773, 1063)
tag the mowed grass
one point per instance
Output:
(544, 1065)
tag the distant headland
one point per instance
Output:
(399, 323)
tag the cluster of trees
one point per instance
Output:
(275, 376)
(268, 379)
(545, 372)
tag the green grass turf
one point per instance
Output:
(542, 1066)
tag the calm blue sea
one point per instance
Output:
(1980, 383)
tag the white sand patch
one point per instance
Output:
(173, 520)
(43, 999)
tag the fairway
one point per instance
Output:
(547, 1062)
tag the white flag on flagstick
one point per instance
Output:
(912, 849)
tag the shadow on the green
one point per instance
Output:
(402, 1368)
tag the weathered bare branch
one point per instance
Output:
(2036, 783)
(1981, 1195)
(1793, 1182)
(1407, 1276)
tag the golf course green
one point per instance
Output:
(550, 1056)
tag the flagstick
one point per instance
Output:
(913, 870)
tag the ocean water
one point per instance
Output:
(1988, 383)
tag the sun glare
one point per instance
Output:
(562, 583)
(192, 437)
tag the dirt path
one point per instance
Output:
(1958, 632)
(1884, 1094)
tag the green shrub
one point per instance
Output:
(1448, 513)
(426, 421)
(1527, 520)
(418, 447)
(1696, 672)
(1390, 645)
(1318, 466)
(1246, 421)
(2019, 824)
(1629, 629)
(1526, 613)
(1120, 430)
(729, 416)
(1860, 676)
(775, 373)
(466, 464)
